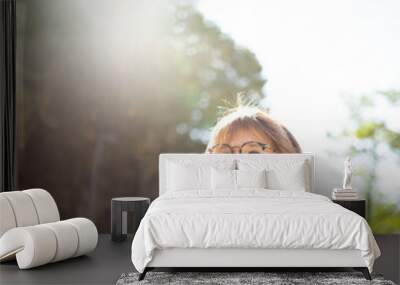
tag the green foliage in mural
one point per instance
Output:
(374, 140)
(208, 66)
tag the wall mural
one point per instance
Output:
(105, 88)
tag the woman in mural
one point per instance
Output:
(249, 129)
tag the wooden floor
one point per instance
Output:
(103, 266)
(111, 259)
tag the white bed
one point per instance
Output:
(248, 227)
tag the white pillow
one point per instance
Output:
(187, 177)
(292, 179)
(251, 178)
(223, 179)
(227, 179)
(193, 174)
(282, 174)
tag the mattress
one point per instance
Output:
(250, 219)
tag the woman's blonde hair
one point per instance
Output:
(247, 117)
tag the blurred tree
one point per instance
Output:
(374, 139)
(104, 89)
(208, 67)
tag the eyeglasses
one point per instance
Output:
(247, 147)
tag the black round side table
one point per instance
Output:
(120, 207)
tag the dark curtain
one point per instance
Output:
(7, 95)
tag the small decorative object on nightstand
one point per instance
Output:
(346, 192)
(120, 207)
(357, 206)
(346, 196)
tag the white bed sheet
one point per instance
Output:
(251, 218)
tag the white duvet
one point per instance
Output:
(250, 219)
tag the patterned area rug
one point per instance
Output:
(225, 278)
